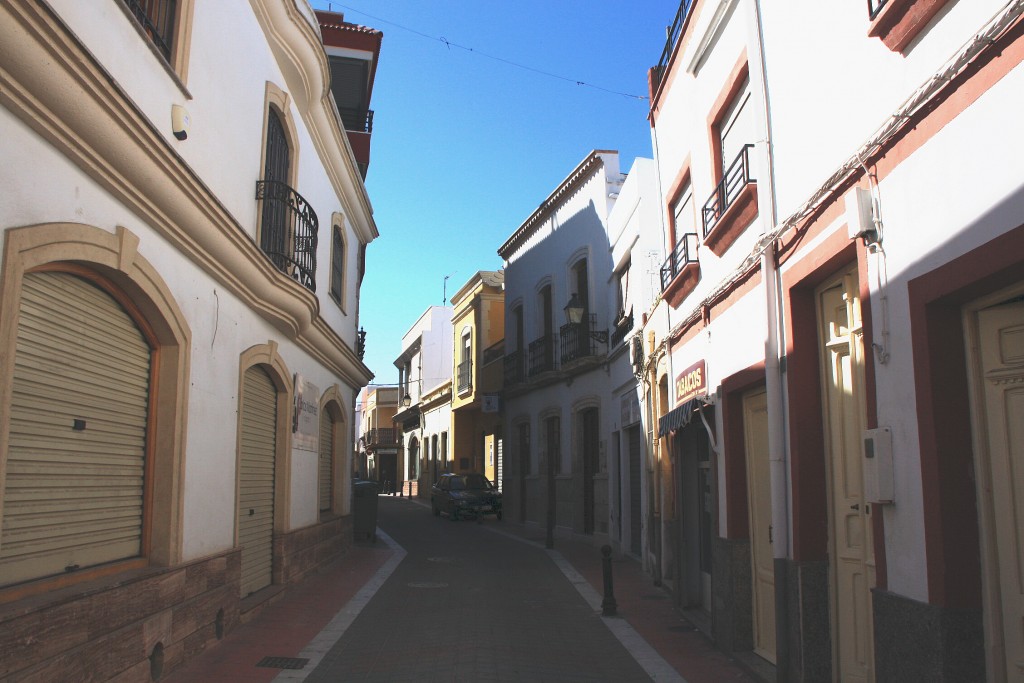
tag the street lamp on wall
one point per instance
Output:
(574, 315)
(406, 400)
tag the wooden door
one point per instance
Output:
(852, 567)
(755, 433)
(1001, 352)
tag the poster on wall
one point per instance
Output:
(306, 420)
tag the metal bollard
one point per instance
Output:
(608, 606)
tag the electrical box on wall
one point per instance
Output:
(860, 220)
(878, 469)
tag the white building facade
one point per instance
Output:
(425, 385)
(834, 393)
(556, 397)
(635, 245)
(180, 356)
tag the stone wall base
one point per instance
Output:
(143, 623)
(916, 641)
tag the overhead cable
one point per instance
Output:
(450, 44)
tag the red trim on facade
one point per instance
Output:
(360, 143)
(814, 225)
(682, 284)
(900, 21)
(871, 410)
(657, 88)
(682, 178)
(739, 73)
(944, 424)
(740, 214)
(737, 291)
(737, 503)
(803, 377)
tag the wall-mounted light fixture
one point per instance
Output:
(574, 315)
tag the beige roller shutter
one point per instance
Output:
(73, 496)
(326, 484)
(256, 479)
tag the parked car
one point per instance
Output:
(465, 495)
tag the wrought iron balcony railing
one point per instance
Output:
(542, 355)
(385, 436)
(465, 375)
(494, 352)
(361, 343)
(288, 233)
(357, 120)
(514, 368)
(577, 340)
(672, 38)
(157, 20)
(735, 178)
(875, 6)
(623, 327)
(685, 252)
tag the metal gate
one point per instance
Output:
(256, 479)
(326, 483)
(73, 494)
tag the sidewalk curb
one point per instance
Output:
(335, 629)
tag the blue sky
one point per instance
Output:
(465, 146)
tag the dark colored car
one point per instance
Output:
(465, 495)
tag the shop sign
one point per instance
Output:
(691, 382)
(306, 418)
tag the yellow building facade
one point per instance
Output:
(478, 327)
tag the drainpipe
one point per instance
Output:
(774, 383)
(658, 511)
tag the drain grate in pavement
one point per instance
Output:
(282, 662)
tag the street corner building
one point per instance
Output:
(832, 371)
(183, 233)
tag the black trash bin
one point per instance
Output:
(364, 509)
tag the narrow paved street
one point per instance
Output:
(435, 600)
(470, 604)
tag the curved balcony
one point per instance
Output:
(288, 232)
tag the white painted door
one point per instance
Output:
(755, 434)
(852, 570)
(1001, 345)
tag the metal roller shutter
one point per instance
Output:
(326, 484)
(73, 496)
(256, 479)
